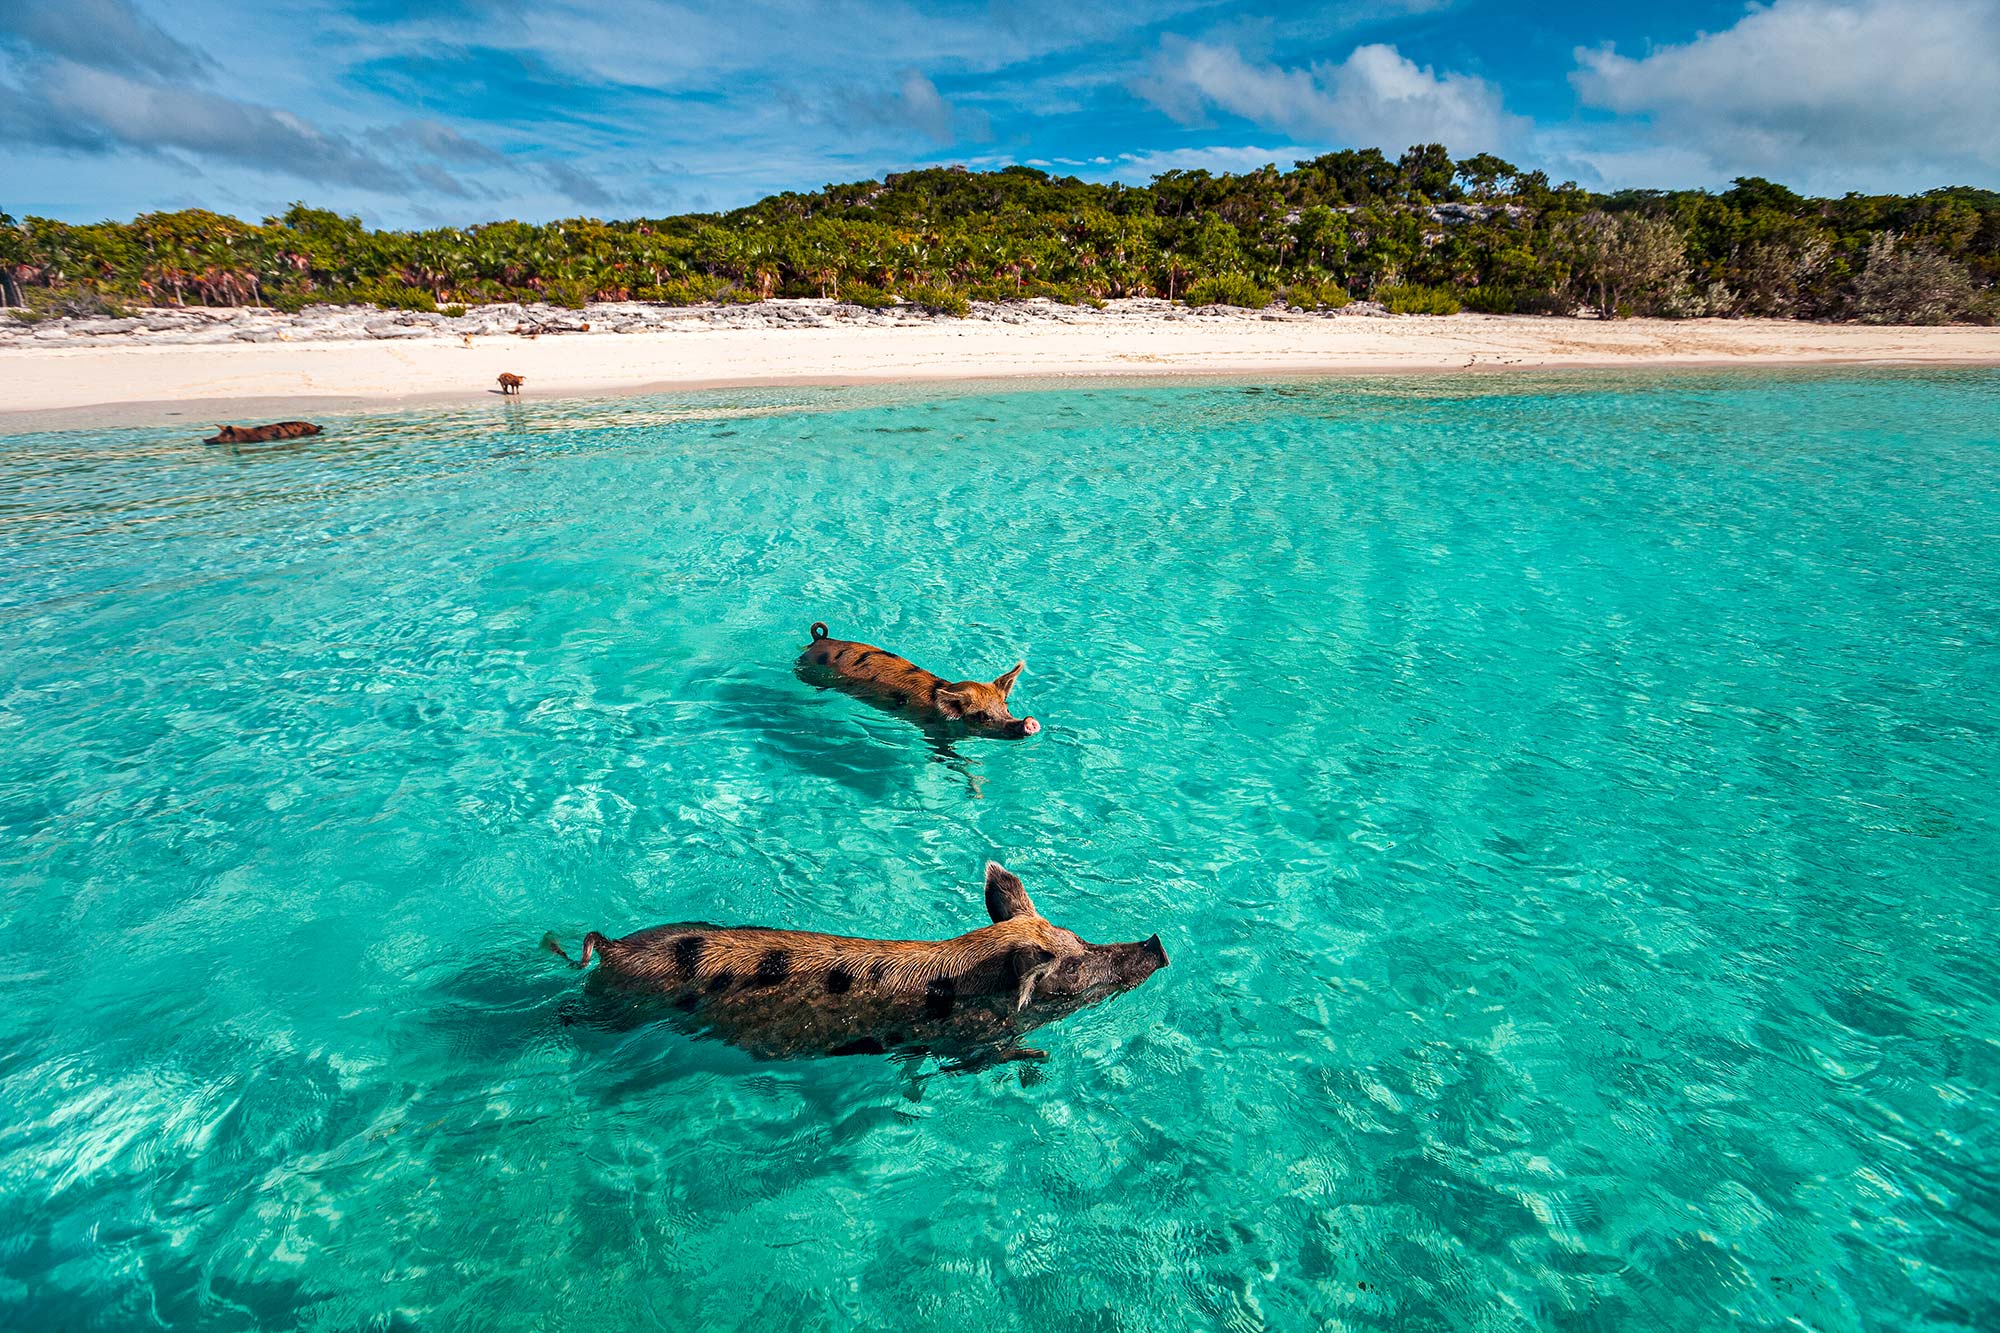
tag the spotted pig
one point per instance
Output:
(895, 683)
(792, 994)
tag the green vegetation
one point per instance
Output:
(1411, 298)
(938, 300)
(1311, 294)
(1228, 289)
(1422, 233)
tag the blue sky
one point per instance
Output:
(424, 112)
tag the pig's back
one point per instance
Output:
(877, 671)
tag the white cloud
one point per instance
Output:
(102, 111)
(107, 34)
(1376, 97)
(1830, 94)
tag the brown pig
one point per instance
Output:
(898, 684)
(281, 430)
(793, 994)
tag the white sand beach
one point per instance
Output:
(177, 366)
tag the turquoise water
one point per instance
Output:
(1569, 804)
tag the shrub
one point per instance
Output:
(1309, 295)
(71, 302)
(569, 293)
(1909, 284)
(1410, 298)
(1493, 300)
(1695, 300)
(1983, 308)
(393, 296)
(691, 290)
(290, 303)
(451, 311)
(1623, 261)
(938, 300)
(866, 295)
(1228, 289)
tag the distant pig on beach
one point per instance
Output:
(281, 430)
(793, 994)
(896, 683)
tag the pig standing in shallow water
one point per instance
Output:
(788, 994)
(897, 683)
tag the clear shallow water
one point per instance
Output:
(1569, 805)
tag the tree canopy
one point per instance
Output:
(1355, 224)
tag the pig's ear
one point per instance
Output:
(950, 701)
(1027, 965)
(1005, 898)
(1005, 684)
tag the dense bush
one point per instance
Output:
(1909, 284)
(1228, 289)
(1625, 263)
(570, 293)
(686, 291)
(938, 300)
(386, 295)
(866, 295)
(1313, 295)
(1349, 221)
(1409, 298)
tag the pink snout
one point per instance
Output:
(1029, 726)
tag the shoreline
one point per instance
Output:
(242, 365)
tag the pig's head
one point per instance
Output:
(982, 705)
(1053, 971)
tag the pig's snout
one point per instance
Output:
(1029, 726)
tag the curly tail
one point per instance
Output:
(592, 943)
(818, 630)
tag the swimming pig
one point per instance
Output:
(281, 430)
(788, 994)
(893, 682)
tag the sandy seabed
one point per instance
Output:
(70, 378)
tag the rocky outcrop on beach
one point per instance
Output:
(173, 326)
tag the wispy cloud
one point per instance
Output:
(103, 34)
(93, 110)
(913, 105)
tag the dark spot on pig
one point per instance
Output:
(838, 980)
(902, 699)
(859, 1046)
(773, 967)
(821, 659)
(865, 656)
(688, 1002)
(940, 997)
(720, 982)
(878, 969)
(687, 952)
